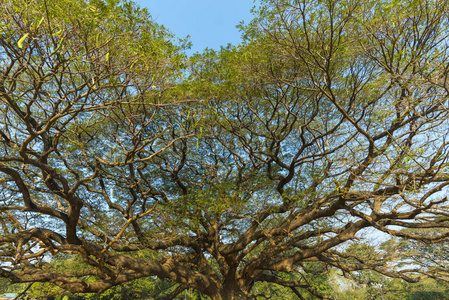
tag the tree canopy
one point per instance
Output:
(259, 163)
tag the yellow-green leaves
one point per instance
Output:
(57, 33)
(22, 39)
(59, 46)
(40, 23)
(92, 8)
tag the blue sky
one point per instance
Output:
(210, 23)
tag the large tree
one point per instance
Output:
(259, 163)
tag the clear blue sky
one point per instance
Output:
(209, 23)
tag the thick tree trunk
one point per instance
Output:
(229, 295)
(229, 292)
(233, 295)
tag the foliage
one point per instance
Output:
(247, 172)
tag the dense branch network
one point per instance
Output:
(259, 161)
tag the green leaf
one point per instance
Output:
(20, 42)
(39, 23)
(59, 46)
(134, 62)
(57, 33)
(92, 8)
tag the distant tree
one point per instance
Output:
(255, 167)
(432, 258)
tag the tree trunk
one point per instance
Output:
(233, 295)
(229, 295)
(229, 292)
